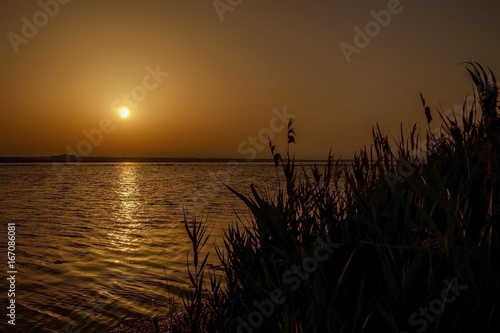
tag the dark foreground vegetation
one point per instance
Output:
(404, 239)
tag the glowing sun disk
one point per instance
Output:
(124, 112)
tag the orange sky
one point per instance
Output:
(225, 77)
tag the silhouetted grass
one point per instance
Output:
(408, 221)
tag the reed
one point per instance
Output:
(404, 221)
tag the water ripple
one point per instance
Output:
(92, 245)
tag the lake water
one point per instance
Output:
(92, 239)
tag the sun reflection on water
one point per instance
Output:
(127, 227)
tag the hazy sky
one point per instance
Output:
(204, 81)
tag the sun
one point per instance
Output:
(124, 112)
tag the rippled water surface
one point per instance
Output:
(92, 240)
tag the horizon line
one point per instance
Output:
(65, 158)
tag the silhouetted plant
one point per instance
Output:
(406, 222)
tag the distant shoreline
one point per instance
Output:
(102, 159)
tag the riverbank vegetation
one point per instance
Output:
(404, 239)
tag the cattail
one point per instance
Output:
(277, 158)
(428, 114)
(427, 110)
